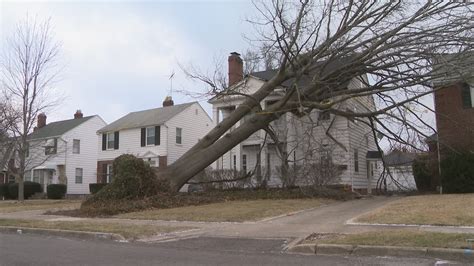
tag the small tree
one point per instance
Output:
(28, 71)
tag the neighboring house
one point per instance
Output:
(400, 165)
(454, 105)
(64, 152)
(159, 136)
(8, 162)
(319, 138)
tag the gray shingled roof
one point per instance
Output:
(58, 128)
(373, 155)
(397, 157)
(306, 79)
(145, 118)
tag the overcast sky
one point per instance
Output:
(118, 55)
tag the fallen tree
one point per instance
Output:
(329, 43)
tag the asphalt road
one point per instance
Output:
(43, 250)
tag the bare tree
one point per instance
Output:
(329, 43)
(28, 71)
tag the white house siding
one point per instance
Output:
(403, 174)
(195, 124)
(86, 133)
(86, 159)
(360, 138)
(130, 143)
(348, 136)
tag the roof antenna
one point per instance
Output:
(171, 83)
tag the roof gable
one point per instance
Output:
(57, 128)
(145, 118)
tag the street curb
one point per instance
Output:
(63, 233)
(364, 250)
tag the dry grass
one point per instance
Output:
(31, 205)
(231, 211)
(126, 230)
(453, 209)
(405, 238)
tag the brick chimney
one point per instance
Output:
(236, 68)
(78, 114)
(168, 101)
(41, 120)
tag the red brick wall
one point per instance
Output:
(455, 123)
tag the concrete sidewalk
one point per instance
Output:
(331, 218)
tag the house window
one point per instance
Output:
(27, 176)
(356, 160)
(467, 95)
(36, 176)
(179, 132)
(51, 146)
(235, 162)
(109, 173)
(269, 166)
(76, 146)
(27, 150)
(244, 163)
(150, 136)
(78, 175)
(110, 141)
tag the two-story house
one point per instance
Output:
(159, 136)
(64, 152)
(316, 138)
(454, 104)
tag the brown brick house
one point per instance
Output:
(454, 106)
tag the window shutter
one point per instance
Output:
(143, 137)
(104, 141)
(466, 96)
(157, 135)
(116, 140)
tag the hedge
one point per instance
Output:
(56, 191)
(457, 173)
(95, 187)
(4, 191)
(30, 188)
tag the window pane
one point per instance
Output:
(150, 136)
(110, 140)
(78, 175)
(178, 135)
(76, 146)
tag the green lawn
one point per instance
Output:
(404, 238)
(30, 205)
(126, 230)
(231, 211)
(452, 209)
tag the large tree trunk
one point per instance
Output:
(191, 164)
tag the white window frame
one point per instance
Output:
(79, 177)
(76, 146)
(146, 136)
(110, 141)
(179, 137)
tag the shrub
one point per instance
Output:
(30, 188)
(133, 181)
(56, 191)
(457, 173)
(422, 174)
(95, 187)
(4, 191)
